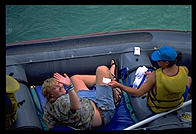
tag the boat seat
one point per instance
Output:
(26, 112)
(138, 103)
(129, 64)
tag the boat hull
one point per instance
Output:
(31, 62)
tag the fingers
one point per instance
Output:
(57, 76)
(65, 75)
(112, 83)
(147, 73)
(62, 79)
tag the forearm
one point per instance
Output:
(129, 90)
(74, 99)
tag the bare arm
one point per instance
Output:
(186, 69)
(74, 100)
(145, 87)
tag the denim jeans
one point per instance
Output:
(102, 96)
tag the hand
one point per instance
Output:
(147, 73)
(64, 80)
(113, 84)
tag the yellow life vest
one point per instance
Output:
(169, 91)
(12, 86)
(11, 114)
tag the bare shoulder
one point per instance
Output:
(186, 69)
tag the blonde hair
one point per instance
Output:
(47, 87)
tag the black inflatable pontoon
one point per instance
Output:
(31, 62)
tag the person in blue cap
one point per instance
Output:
(167, 86)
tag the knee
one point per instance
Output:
(102, 69)
(75, 77)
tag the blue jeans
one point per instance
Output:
(102, 96)
(186, 93)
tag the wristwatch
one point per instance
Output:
(69, 88)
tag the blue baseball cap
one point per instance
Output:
(164, 53)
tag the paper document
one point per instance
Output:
(106, 80)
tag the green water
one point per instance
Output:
(31, 22)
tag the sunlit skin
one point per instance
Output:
(58, 90)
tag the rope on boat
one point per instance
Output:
(157, 116)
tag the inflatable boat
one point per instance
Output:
(31, 62)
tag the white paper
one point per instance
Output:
(106, 80)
